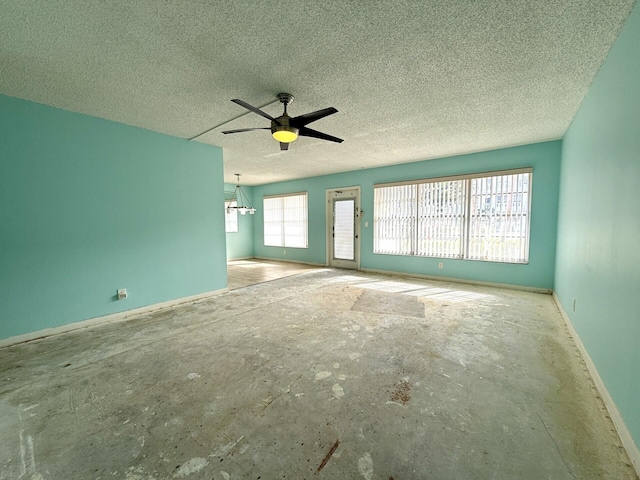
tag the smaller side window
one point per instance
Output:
(230, 217)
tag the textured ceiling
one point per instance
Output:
(412, 80)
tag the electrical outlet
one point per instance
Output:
(440, 266)
(284, 252)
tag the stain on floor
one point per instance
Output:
(379, 302)
(402, 392)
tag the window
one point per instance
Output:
(285, 221)
(230, 217)
(477, 217)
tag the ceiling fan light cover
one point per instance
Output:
(285, 134)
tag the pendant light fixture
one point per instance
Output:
(240, 198)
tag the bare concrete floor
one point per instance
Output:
(326, 374)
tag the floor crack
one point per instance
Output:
(557, 447)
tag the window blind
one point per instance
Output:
(483, 217)
(285, 221)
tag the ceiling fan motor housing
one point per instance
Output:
(281, 127)
(282, 124)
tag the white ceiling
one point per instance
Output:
(412, 80)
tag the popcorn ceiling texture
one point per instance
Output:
(412, 80)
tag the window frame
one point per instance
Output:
(286, 240)
(227, 216)
(467, 214)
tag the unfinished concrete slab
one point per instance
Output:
(327, 374)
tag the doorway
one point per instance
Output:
(343, 228)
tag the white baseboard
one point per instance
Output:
(624, 434)
(111, 318)
(460, 280)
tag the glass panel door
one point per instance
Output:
(344, 229)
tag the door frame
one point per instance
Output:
(343, 193)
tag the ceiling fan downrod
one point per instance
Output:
(286, 99)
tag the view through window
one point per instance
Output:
(230, 217)
(478, 217)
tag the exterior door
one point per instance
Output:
(343, 228)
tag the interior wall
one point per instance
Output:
(538, 273)
(598, 259)
(240, 243)
(88, 206)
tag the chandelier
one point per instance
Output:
(242, 203)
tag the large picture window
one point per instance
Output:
(478, 217)
(285, 220)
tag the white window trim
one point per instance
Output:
(466, 232)
(457, 177)
(283, 236)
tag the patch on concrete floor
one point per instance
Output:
(133, 473)
(375, 301)
(338, 391)
(365, 466)
(322, 375)
(402, 392)
(192, 466)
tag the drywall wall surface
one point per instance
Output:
(544, 158)
(598, 260)
(88, 206)
(240, 243)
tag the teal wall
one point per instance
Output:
(240, 243)
(543, 157)
(598, 260)
(88, 206)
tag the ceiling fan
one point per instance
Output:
(286, 129)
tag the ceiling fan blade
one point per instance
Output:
(284, 146)
(244, 130)
(307, 118)
(307, 132)
(253, 109)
